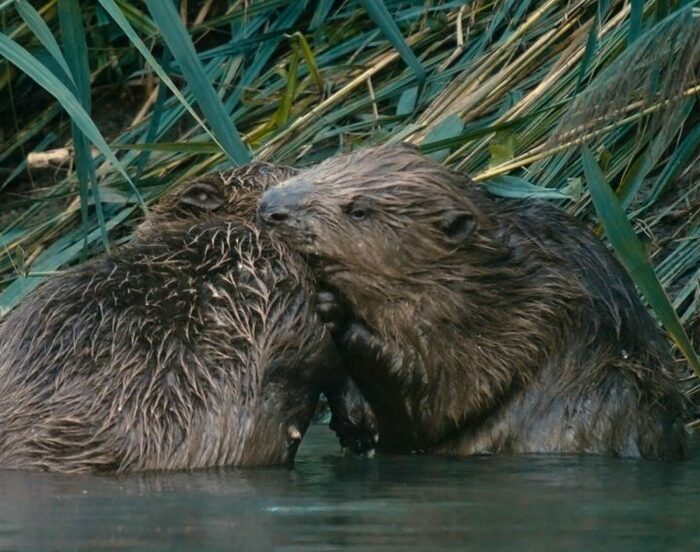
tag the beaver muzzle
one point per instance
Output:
(281, 205)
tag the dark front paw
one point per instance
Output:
(359, 342)
(357, 431)
(333, 311)
(353, 420)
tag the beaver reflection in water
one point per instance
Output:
(195, 345)
(482, 325)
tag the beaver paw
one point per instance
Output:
(359, 341)
(357, 431)
(353, 421)
(332, 310)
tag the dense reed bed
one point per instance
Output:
(587, 103)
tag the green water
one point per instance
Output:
(330, 501)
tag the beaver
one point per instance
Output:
(482, 325)
(195, 345)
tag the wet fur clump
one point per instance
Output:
(480, 325)
(196, 345)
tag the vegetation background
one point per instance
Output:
(591, 104)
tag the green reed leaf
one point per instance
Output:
(115, 13)
(180, 44)
(379, 13)
(636, 20)
(75, 44)
(35, 22)
(519, 188)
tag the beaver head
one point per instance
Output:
(380, 221)
(232, 192)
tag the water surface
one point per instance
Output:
(330, 501)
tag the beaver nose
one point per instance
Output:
(278, 204)
(273, 213)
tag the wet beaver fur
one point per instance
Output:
(195, 345)
(482, 325)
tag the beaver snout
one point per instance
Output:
(280, 204)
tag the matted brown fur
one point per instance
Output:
(483, 325)
(196, 345)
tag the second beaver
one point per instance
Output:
(195, 345)
(482, 325)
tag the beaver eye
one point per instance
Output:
(203, 195)
(357, 210)
(358, 213)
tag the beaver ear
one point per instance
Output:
(203, 196)
(457, 225)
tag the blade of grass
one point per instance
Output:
(448, 128)
(282, 115)
(115, 13)
(180, 45)
(73, 35)
(36, 23)
(310, 60)
(179, 147)
(377, 10)
(320, 15)
(156, 116)
(516, 187)
(286, 19)
(589, 53)
(636, 20)
(633, 256)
